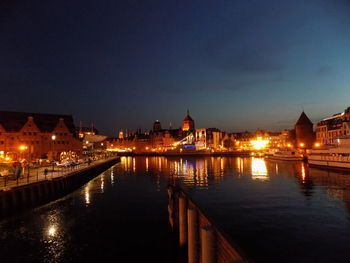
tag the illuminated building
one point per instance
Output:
(332, 128)
(121, 134)
(188, 122)
(83, 131)
(208, 138)
(32, 136)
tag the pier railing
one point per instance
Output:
(37, 174)
(200, 240)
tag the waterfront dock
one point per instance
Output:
(40, 187)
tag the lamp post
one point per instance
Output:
(22, 148)
(53, 138)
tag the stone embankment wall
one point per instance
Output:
(34, 194)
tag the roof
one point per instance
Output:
(14, 121)
(303, 120)
(188, 118)
(86, 129)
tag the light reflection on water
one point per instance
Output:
(259, 170)
(273, 209)
(290, 211)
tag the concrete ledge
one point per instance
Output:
(30, 195)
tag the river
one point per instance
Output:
(275, 211)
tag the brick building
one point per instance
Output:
(304, 133)
(33, 136)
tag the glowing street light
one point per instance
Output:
(259, 143)
(22, 147)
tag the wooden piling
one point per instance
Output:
(208, 249)
(182, 221)
(193, 236)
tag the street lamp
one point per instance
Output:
(53, 138)
(22, 148)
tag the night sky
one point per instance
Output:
(237, 65)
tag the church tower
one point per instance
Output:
(157, 126)
(188, 122)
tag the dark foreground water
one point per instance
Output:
(276, 212)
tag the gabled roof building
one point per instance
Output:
(33, 136)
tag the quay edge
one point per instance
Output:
(31, 195)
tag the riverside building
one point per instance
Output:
(33, 136)
(330, 129)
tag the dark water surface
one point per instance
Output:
(276, 212)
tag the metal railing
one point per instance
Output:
(35, 174)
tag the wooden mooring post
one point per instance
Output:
(200, 237)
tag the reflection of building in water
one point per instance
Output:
(201, 172)
(240, 166)
(305, 182)
(338, 184)
(259, 171)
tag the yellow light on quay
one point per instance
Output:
(259, 143)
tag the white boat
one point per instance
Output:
(286, 155)
(335, 156)
(270, 151)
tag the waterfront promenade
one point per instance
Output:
(33, 175)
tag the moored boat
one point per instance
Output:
(333, 156)
(286, 155)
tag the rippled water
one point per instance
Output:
(276, 212)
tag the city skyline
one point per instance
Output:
(236, 65)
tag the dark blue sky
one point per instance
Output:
(237, 65)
